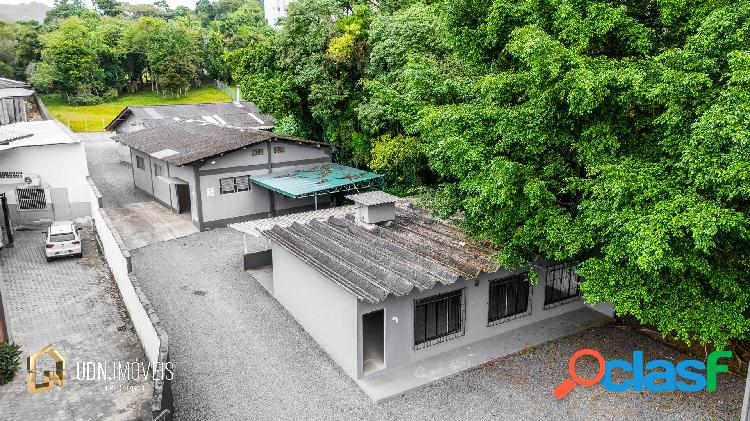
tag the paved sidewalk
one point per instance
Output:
(141, 224)
(240, 355)
(74, 305)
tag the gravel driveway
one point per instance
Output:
(239, 355)
(113, 178)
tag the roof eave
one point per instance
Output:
(117, 120)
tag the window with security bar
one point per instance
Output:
(31, 199)
(561, 285)
(234, 184)
(242, 183)
(438, 318)
(509, 299)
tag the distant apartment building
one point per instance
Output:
(275, 10)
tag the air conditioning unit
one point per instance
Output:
(31, 180)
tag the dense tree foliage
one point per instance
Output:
(19, 46)
(610, 135)
(92, 54)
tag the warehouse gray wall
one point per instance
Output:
(142, 176)
(221, 209)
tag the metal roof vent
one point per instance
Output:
(374, 206)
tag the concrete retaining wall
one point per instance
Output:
(153, 337)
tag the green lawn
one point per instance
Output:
(93, 118)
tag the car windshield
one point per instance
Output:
(66, 236)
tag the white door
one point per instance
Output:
(60, 203)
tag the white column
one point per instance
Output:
(745, 415)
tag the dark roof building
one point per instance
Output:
(181, 142)
(243, 114)
(221, 174)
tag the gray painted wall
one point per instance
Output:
(232, 205)
(162, 190)
(254, 203)
(127, 126)
(307, 292)
(142, 176)
(326, 311)
(217, 209)
(399, 346)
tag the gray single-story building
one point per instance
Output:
(218, 174)
(237, 114)
(398, 298)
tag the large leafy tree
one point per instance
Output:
(607, 134)
(615, 143)
(63, 9)
(173, 55)
(69, 60)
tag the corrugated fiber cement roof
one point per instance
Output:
(318, 179)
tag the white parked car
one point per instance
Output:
(63, 239)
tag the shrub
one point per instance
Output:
(84, 97)
(9, 361)
(110, 94)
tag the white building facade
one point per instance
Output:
(43, 172)
(275, 10)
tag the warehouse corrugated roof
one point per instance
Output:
(316, 179)
(244, 115)
(370, 198)
(256, 227)
(414, 251)
(195, 140)
(10, 83)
